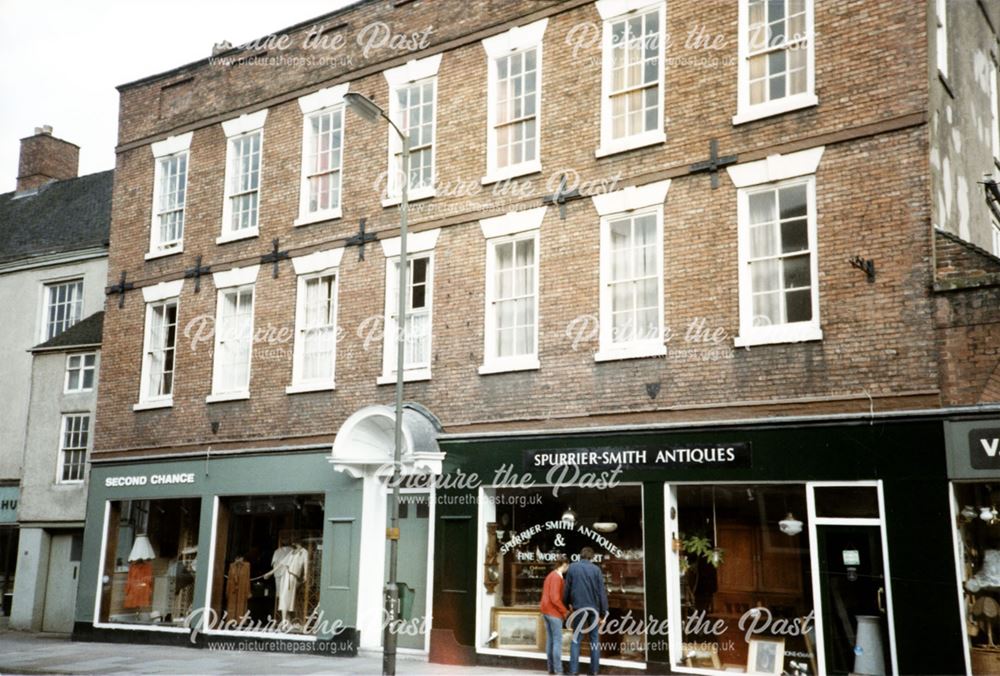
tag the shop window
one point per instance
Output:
(268, 556)
(529, 530)
(744, 579)
(979, 566)
(151, 558)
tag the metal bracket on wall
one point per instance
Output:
(866, 265)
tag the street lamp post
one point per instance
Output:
(370, 111)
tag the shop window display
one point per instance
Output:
(268, 555)
(150, 563)
(531, 530)
(979, 561)
(745, 587)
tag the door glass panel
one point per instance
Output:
(847, 502)
(852, 587)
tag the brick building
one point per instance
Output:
(709, 247)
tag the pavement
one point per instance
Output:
(36, 653)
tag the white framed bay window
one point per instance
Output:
(511, 313)
(233, 334)
(413, 107)
(514, 102)
(417, 323)
(777, 71)
(631, 278)
(159, 345)
(323, 118)
(244, 152)
(631, 74)
(166, 231)
(315, 351)
(778, 269)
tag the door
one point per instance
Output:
(61, 581)
(411, 568)
(853, 592)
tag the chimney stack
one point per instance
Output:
(45, 158)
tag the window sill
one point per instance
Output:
(411, 376)
(151, 405)
(78, 482)
(237, 236)
(318, 217)
(523, 169)
(775, 335)
(164, 252)
(309, 387)
(630, 352)
(89, 390)
(228, 396)
(509, 366)
(642, 140)
(412, 196)
(771, 108)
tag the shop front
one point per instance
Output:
(756, 550)
(974, 471)
(8, 546)
(214, 549)
(263, 550)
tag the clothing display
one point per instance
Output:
(288, 573)
(139, 585)
(237, 588)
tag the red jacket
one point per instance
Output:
(552, 592)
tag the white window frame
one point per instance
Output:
(745, 111)
(235, 130)
(774, 172)
(315, 265)
(995, 232)
(322, 102)
(629, 202)
(418, 245)
(410, 73)
(995, 115)
(612, 11)
(164, 151)
(229, 281)
(82, 368)
(514, 226)
(47, 285)
(153, 296)
(61, 463)
(519, 39)
(941, 36)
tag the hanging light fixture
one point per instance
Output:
(605, 526)
(569, 515)
(790, 525)
(142, 549)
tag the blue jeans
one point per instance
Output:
(553, 644)
(587, 619)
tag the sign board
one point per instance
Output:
(729, 455)
(9, 496)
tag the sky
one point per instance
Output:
(61, 60)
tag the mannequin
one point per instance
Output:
(288, 571)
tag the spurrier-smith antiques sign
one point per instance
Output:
(662, 456)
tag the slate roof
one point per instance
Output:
(62, 216)
(84, 332)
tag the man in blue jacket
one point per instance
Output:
(584, 594)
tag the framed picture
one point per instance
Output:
(766, 656)
(518, 629)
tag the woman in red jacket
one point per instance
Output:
(554, 613)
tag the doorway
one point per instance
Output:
(412, 571)
(855, 620)
(61, 581)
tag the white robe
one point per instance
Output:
(288, 573)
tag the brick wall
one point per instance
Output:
(872, 190)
